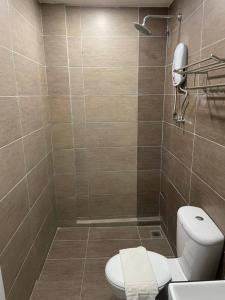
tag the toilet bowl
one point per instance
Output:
(114, 273)
(199, 249)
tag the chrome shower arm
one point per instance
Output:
(161, 17)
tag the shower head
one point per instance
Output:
(142, 28)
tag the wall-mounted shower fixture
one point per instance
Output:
(142, 27)
(179, 61)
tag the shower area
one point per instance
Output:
(105, 90)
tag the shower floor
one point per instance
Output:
(74, 268)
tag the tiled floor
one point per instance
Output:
(74, 268)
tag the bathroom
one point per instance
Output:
(101, 144)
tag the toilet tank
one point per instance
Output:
(199, 244)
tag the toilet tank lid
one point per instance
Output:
(199, 226)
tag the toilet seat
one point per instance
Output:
(114, 273)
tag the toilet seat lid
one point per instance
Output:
(114, 273)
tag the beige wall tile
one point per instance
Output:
(79, 134)
(148, 158)
(62, 136)
(60, 109)
(148, 75)
(106, 81)
(40, 209)
(12, 166)
(27, 76)
(75, 51)
(109, 21)
(53, 18)
(152, 51)
(111, 109)
(177, 173)
(149, 133)
(179, 143)
(148, 181)
(44, 81)
(11, 263)
(106, 206)
(31, 114)
(37, 180)
(121, 182)
(112, 159)
(13, 208)
(203, 196)
(7, 77)
(65, 208)
(55, 50)
(78, 109)
(63, 161)
(82, 183)
(58, 80)
(23, 34)
(191, 31)
(30, 10)
(73, 18)
(209, 162)
(76, 81)
(209, 119)
(35, 148)
(64, 185)
(81, 160)
(109, 134)
(10, 128)
(150, 108)
(148, 204)
(213, 26)
(4, 25)
(110, 51)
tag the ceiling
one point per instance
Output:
(112, 3)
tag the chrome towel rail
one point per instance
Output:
(214, 63)
(218, 63)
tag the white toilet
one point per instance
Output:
(199, 249)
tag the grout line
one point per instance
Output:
(85, 259)
(71, 104)
(33, 243)
(46, 258)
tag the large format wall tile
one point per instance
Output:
(4, 25)
(213, 26)
(10, 128)
(110, 52)
(193, 156)
(109, 21)
(110, 81)
(12, 166)
(111, 109)
(53, 17)
(24, 142)
(209, 163)
(7, 77)
(95, 108)
(151, 80)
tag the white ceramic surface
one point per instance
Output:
(203, 290)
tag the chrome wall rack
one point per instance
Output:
(211, 63)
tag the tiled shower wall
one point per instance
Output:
(26, 193)
(106, 117)
(193, 164)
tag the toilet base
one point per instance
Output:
(120, 294)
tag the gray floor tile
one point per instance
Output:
(118, 233)
(67, 249)
(72, 234)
